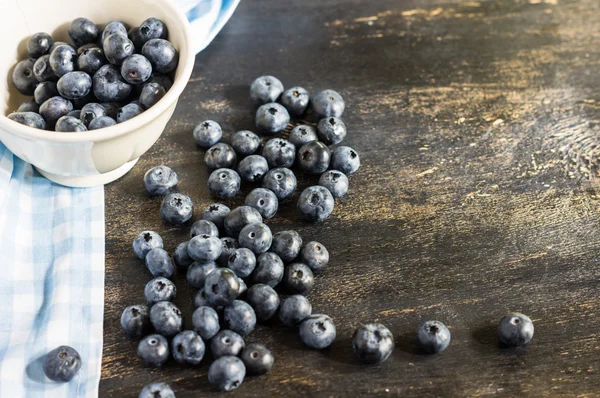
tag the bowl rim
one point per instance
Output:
(186, 53)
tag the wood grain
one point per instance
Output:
(477, 124)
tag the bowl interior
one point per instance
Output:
(22, 18)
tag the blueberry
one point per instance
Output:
(433, 337)
(197, 273)
(229, 246)
(159, 263)
(345, 159)
(109, 84)
(294, 310)
(252, 168)
(287, 245)
(166, 318)
(279, 153)
(238, 218)
(272, 118)
(88, 46)
(151, 94)
(90, 112)
(83, 31)
(117, 48)
(63, 59)
(62, 364)
(135, 320)
(302, 134)
(315, 203)
(113, 28)
(57, 44)
(269, 269)
(242, 261)
(160, 180)
(258, 359)
(111, 108)
(42, 70)
(69, 124)
(226, 342)
(204, 227)
(146, 241)
(102, 122)
(331, 130)
(264, 300)
(181, 257)
(154, 350)
(256, 237)
(39, 44)
(90, 60)
(315, 255)
(188, 348)
(44, 91)
(239, 317)
(129, 111)
(76, 113)
(29, 106)
(221, 287)
(220, 156)
(205, 248)
(161, 79)
(317, 331)
(154, 390)
(207, 133)
(314, 157)
(55, 108)
(281, 181)
(295, 100)
(328, 103)
(227, 373)
(264, 201)
(335, 181)
(216, 213)
(245, 143)
(162, 55)
(30, 119)
(515, 329)
(372, 343)
(298, 278)
(23, 77)
(176, 208)
(153, 28)
(159, 289)
(136, 69)
(265, 89)
(206, 322)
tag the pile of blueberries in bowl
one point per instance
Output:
(103, 78)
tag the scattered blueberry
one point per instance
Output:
(146, 241)
(515, 329)
(90, 60)
(160, 180)
(206, 322)
(317, 331)
(136, 69)
(62, 364)
(303, 134)
(269, 269)
(272, 118)
(265, 89)
(63, 59)
(345, 159)
(204, 227)
(226, 342)
(294, 310)
(159, 289)
(129, 111)
(135, 320)
(83, 31)
(207, 133)
(90, 112)
(216, 213)
(433, 337)
(295, 100)
(315, 255)
(252, 168)
(109, 85)
(205, 248)
(42, 70)
(315, 203)
(264, 201)
(188, 348)
(166, 318)
(176, 208)
(113, 28)
(245, 143)
(154, 350)
(55, 108)
(279, 153)
(298, 278)
(44, 91)
(29, 106)
(314, 157)
(230, 245)
(287, 245)
(23, 77)
(102, 122)
(336, 182)
(153, 28)
(30, 119)
(227, 373)
(239, 317)
(256, 237)
(264, 300)
(159, 263)
(220, 156)
(197, 273)
(221, 287)
(258, 359)
(373, 343)
(39, 44)
(331, 130)
(281, 181)
(69, 124)
(242, 261)
(151, 94)
(157, 390)
(161, 54)
(328, 103)
(181, 257)
(238, 218)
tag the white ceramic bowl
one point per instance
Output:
(92, 157)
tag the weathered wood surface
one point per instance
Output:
(478, 128)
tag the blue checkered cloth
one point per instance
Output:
(52, 261)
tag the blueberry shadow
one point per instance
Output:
(406, 343)
(35, 370)
(341, 351)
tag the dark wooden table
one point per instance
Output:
(478, 128)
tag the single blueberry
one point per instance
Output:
(23, 77)
(230, 245)
(136, 69)
(256, 237)
(109, 85)
(162, 55)
(146, 241)
(281, 181)
(154, 350)
(159, 263)
(294, 310)
(135, 320)
(264, 300)
(331, 130)
(216, 213)
(317, 331)
(295, 100)
(205, 248)
(117, 48)
(90, 60)
(151, 94)
(129, 111)
(221, 287)
(154, 390)
(328, 103)
(62, 364)
(373, 343)
(239, 317)
(258, 359)
(515, 329)
(166, 318)
(29, 106)
(207, 133)
(204, 227)
(433, 337)
(63, 59)
(265, 89)
(315, 255)
(206, 322)
(264, 201)
(298, 278)
(113, 28)
(238, 218)
(159, 289)
(42, 70)
(90, 112)
(177, 208)
(242, 261)
(345, 159)
(227, 373)
(55, 108)
(197, 273)
(303, 134)
(279, 153)
(153, 28)
(188, 348)
(30, 119)
(44, 91)
(272, 118)
(160, 180)
(220, 156)
(102, 122)
(252, 168)
(269, 269)
(39, 44)
(69, 124)
(245, 143)
(287, 245)
(336, 182)
(315, 203)
(314, 157)
(226, 342)
(181, 257)
(83, 31)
